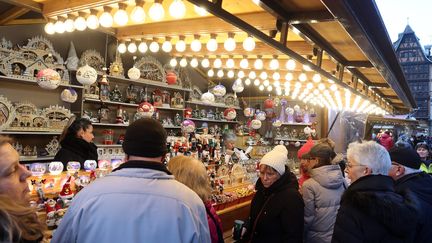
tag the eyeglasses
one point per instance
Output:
(350, 165)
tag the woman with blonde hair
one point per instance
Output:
(192, 173)
(18, 223)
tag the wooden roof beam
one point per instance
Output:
(310, 17)
(26, 21)
(12, 14)
(29, 4)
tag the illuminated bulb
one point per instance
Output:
(49, 28)
(122, 48)
(289, 77)
(230, 74)
(177, 9)
(309, 86)
(138, 14)
(183, 62)
(249, 44)
(269, 88)
(287, 84)
(290, 64)
(241, 74)
(279, 92)
(194, 62)
(59, 27)
(316, 78)
(247, 82)
(212, 45)
(244, 63)
(321, 86)
(261, 87)
(258, 64)
(200, 11)
(210, 73)
(132, 48)
(266, 83)
(80, 23)
(316, 92)
(347, 99)
(302, 77)
(356, 103)
(196, 45)
(167, 46)
(154, 46)
(330, 81)
(217, 63)
(173, 62)
(306, 68)
(333, 87)
(230, 44)
(276, 76)
(297, 85)
(256, 82)
(230, 63)
(142, 47)
(274, 64)
(205, 63)
(276, 83)
(121, 17)
(263, 75)
(106, 20)
(156, 11)
(220, 73)
(252, 75)
(92, 22)
(69, 25)
(180, 46)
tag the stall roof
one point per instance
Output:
(342, 40)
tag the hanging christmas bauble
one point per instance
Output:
(289, 111)
(230, 114)
(48, 78)
(188, 126)
(219, 90)
(86, 75)
(90, 165)
(69, 95)
(55, 167)
(145, 110)
(171, 77)
(297, 144)
(268, 104)
(277, 123)
(261, 115)
(276, 101)
(134, 73)
(238, 86)
(307, 130)
(255, 124)
(297, 108)
(249, 112)
(207, 97)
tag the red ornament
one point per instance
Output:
(268, 104)
(188, 113)
(171, 77)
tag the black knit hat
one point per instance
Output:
(145, 137)
(405, 156)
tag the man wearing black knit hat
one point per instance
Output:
(139, 201)
(405, 170)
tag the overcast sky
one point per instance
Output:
(418, 12)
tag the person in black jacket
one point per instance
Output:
(406, 172)
(371, 210)
(277, 208)
(76, 143)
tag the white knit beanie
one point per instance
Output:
(277, 159)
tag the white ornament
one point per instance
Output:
(69, 95)
(238, 86)
(297, 144)
(207, 97)
(219, 90)
(86, 75)
(297, 108)
(261, 116)
(307, 130)
(134, 73)
(277, 123)
(256, 124)
(48, 78)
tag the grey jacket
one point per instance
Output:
(322, 194)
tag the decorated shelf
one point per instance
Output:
(109, 124)
(296, 124)
(30, 133)
(214, 121)
(33, 81)
(218, 105)
(45, 158)
(147, 82)
(109, 145)
(290, 139)
(172, 127)
(97, 101)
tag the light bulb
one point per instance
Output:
(69, 25)
(196, 45)
(244, 63)
(183, 62)
(156, 11)
(252, 75)
(194, 62)
(180, 46)
(212, 45)
(177, 9)
(121, 17)
(287, 84)
(122, 48)
(256, 82)
(333, 87)
(154, 46)
(321, 86)
(166, 46)
(200, 11)
(258, 64)
(230, 74)
(276, 83)
(205, 63)
(289, 77)
(80, 23)
(269, 88)
(290, 64)
(220, 73)
(49, 28)
(274, 64)
(210, 73)
(266, 83)
(230, 44)
(173, 62)
(247, 82)
(138, 14)
(309, 86)
(316, 78)
(241, 74)
(142, 47)
(279, 92)
(263, 75)
(261, 87)
(106, 20)
(132, 48)
(92, 22)
(276, 76)
(249, 44)
(230, 63)
(302, 77)
(217, 63)
(59, 27)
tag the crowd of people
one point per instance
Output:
(375, 195)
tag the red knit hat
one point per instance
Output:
(66, 192)
(305, 148)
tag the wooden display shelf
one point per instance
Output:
(217, 105)
(214, 121)
(34, 82)
(109, 124)
(290, 139)
(148, 82)
(30, 133)
(108, 145)
(97, 101)
(45, 158)
(296, 124)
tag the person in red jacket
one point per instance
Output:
(386, 140)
